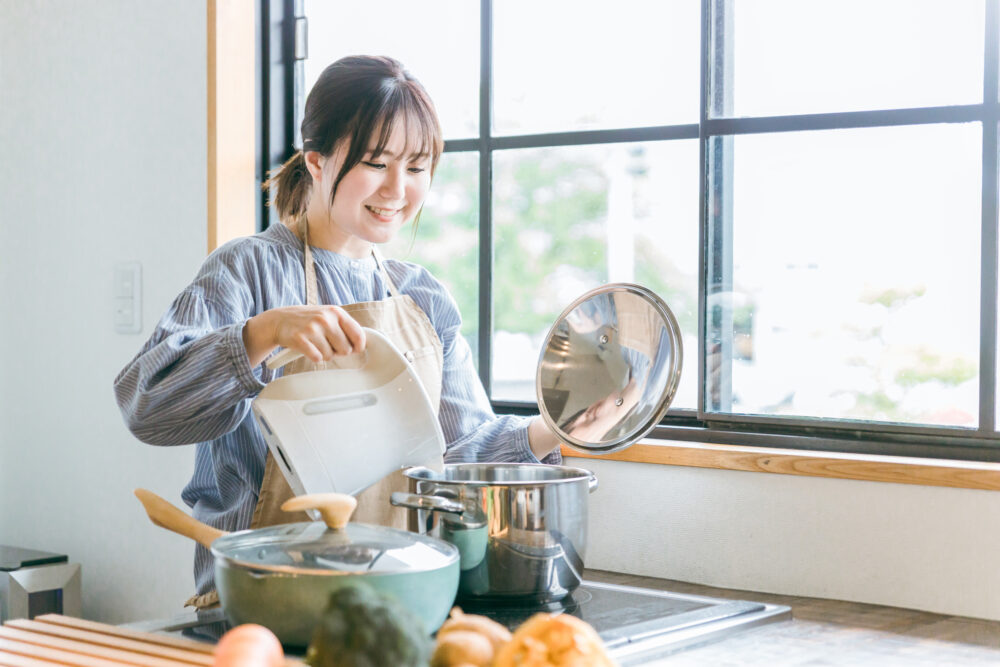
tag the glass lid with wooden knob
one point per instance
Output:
(332, 546)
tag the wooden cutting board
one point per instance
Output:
(64, 641)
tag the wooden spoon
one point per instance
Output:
(335, 508)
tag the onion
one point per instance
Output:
(249, 645)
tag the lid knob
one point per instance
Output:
(335, 508)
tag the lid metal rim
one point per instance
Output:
(671, 323)
(293, 570)
(449, 552)
(584, 475)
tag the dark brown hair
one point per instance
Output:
(357, 98)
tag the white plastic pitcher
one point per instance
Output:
(343, 429)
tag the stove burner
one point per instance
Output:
(567, 605)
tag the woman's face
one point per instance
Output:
(375, 198)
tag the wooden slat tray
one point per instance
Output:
(63, 641)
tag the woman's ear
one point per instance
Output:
(314, 163)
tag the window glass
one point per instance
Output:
(413, 33)
(809, 57)
(590, 65)
(841, 266)
(569, 219)
(446, 238)
(854, 287)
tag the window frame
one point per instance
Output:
(282, 49)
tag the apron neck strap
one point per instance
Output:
(380, 263)
(312, 284)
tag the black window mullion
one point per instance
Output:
(716, 337)
(485, 195)
(296, 41)
(988, 262)
(594, 137)
(960, 113)
(277, 91)
(705, 61)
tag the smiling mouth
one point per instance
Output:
(383, 212)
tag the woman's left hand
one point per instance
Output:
(541, 438)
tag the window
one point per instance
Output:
(812, 188)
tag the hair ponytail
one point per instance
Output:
(291, 182)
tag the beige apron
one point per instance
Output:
(402, 321)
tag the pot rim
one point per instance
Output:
(449, 555)
(422, 473)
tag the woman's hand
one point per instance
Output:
(541, 439)
(318, 332)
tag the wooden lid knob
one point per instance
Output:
(335, 508)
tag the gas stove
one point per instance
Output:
(636, 624)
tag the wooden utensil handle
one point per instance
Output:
(167, 516)
(335, 508)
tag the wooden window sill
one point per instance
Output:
(866, 467)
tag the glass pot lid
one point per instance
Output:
(314, 548)
(609, 368)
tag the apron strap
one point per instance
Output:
(380, 263)
(312, 284)
(312, 288)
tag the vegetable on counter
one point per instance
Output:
(362, 627)
(554, 640)
(468, 640)
(249, 645)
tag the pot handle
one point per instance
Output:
(592, 483)
(416, 501)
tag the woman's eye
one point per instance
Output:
(374, 165)
(417, 170)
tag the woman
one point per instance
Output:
(371, 142)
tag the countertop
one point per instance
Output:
(823, 632)
(833, 632)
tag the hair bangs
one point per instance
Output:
(406, 108)
(398, 100)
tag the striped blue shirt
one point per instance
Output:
(192, 382)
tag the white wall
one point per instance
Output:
(921, 547)
(102, 159)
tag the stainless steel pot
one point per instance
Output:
(521, 529)
(281, 577)
(608, 370)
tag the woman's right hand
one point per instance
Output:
(318, 332)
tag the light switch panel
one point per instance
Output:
(128, 297)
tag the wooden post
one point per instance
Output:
(231, 121)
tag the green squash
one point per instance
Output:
(362, 627)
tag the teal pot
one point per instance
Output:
(282, 576)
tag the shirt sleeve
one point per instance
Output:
(192, 380)
(472, 431)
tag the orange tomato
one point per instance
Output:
(249, 645)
